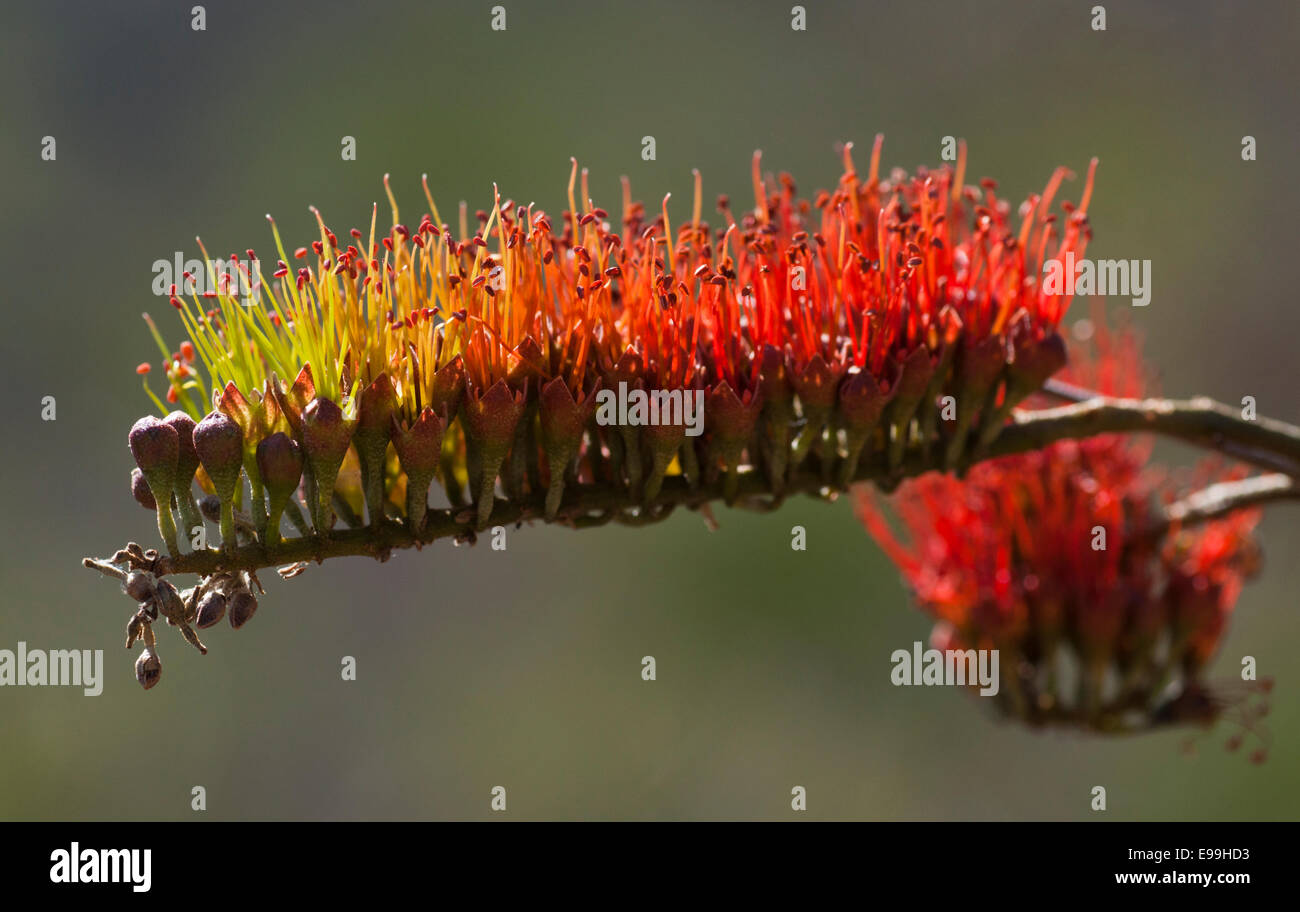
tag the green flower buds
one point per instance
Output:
(187, 464)
(219, 443)
(156, 448)
(140, 490)
(279, 462)
(326, 435)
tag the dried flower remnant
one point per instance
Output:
(1106, 615)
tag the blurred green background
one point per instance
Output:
(522, 668)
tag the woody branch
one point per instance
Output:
(1266, 443)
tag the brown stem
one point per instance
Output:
(1068, 392)
(1271, 444)
(1226, 496)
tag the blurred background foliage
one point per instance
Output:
(522, 668)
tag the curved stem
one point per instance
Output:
(1227, 496)
(1274, 445)
(1269, 444)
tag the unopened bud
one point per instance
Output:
(212, 608)
(219, 444)
(242, 607)
(156, 448)
(140, 490)
(147, 668)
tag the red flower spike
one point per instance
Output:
(1055, 551)
(882, 279)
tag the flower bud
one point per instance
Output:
(664, 442)
(816, 386)
(168, 600)
(326, 435)
(242, 605)
(979, 369)
(374, 428)
(563, 421)
(134, 630)
(219, 443)
(419, 449)
(212, 608)
(531, 363)
(859, 407)
(187, 464)
(147, 668)
(778, 416)
(156, 448)
(490, 422)
(140, 490)
(448, 389)
(730, 420)
(295, 399)
(914, 373)
(1033, 362)
(279, 462)
(629, 369)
